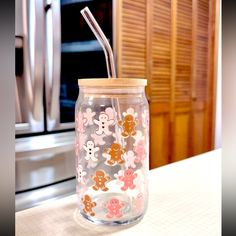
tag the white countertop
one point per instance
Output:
(185, 199)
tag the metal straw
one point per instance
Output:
(102, 40)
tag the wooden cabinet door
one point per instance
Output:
(181, 78)
(159, 80)
(203, 75)
(171, 43)
(143, 45)
(193, 62)
(131, 38)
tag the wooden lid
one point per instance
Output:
(117, 82)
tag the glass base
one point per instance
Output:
(133, 220)
(127, 216)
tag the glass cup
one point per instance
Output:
(112, 150)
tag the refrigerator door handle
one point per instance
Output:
(33, 27)
(18, 115)
(53, 62)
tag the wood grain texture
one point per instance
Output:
(173, 44)
(132, 25)
(161, 80)
(160, 130)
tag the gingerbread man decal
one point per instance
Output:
(88, 115)
(140, 151)
(100, 178)
(80, 174)
(138, 203)
(145, 119)
(128, 123)
(114, 154)
(114, 208)
(128, 179)
(80, 122)
(130, 159)
(88, 205)
(90, 151)
(105, 119)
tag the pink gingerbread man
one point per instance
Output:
(138, 203)
(114, 208)
(140, 151)
(128, 179)
(80, 122)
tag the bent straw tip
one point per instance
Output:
(84, 9)
(88, 16)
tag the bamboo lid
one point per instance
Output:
(117, 82)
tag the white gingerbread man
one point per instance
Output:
(130, 159)
(103, 123)
(80, 174)
(88, 115)
(138, 137)
(90, 151)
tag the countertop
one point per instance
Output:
(185, 199)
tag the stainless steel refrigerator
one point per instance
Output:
(54, 48)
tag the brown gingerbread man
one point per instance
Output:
(115, 154)
(128, 124)
(88, 205)
(100, 178)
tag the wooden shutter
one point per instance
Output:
(181, 77)
(172, 44)
(131, 38)
(159, 76)
(202, 118)
(201, 64)
(183, 50)
(160, 53)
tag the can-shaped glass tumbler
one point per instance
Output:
(112, 150)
